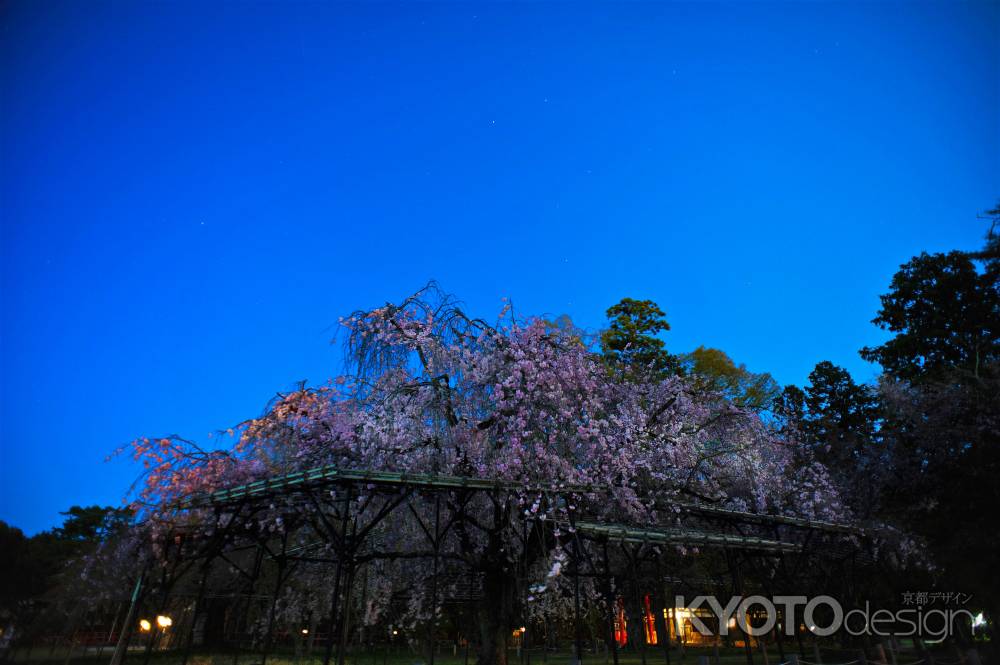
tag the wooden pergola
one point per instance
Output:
(341, 509)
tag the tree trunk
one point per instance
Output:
(495, 617)
(214, 628)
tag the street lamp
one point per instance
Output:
(144, 625)
(164, 621)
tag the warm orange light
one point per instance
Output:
(649, 622)
(620, 624)
(164, 621)
(144, 625)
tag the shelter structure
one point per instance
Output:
(634, 567)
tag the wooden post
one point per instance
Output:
(609, 598)
(891, 643)
(126, 635)
(335, 597)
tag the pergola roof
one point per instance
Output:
(627, 534)
(332, 475)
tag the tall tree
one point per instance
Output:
(22, 575)
(790, 409)
(630, 342)
(842, 416)
(941, 391)
(91, 524)
(990, 253)
(837, 420)
(944, 313)
(713, 371)
(46, 573)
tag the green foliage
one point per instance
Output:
(990, 254)
(946, 316)
(790, 408)
(837, 420)
(563, 328)
(22, 571)
(630, 341)
(941, 401)
(712, 370)
(91, 524)
(841, 415)
(36, 571)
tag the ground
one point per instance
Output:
(401, 656)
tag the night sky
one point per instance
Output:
(193, 193)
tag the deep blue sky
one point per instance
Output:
(193, 193)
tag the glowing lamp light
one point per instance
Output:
(395, 632)
(978, 621)
(145, 626)
(523, 629)
(305, 631)
(164, 621)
